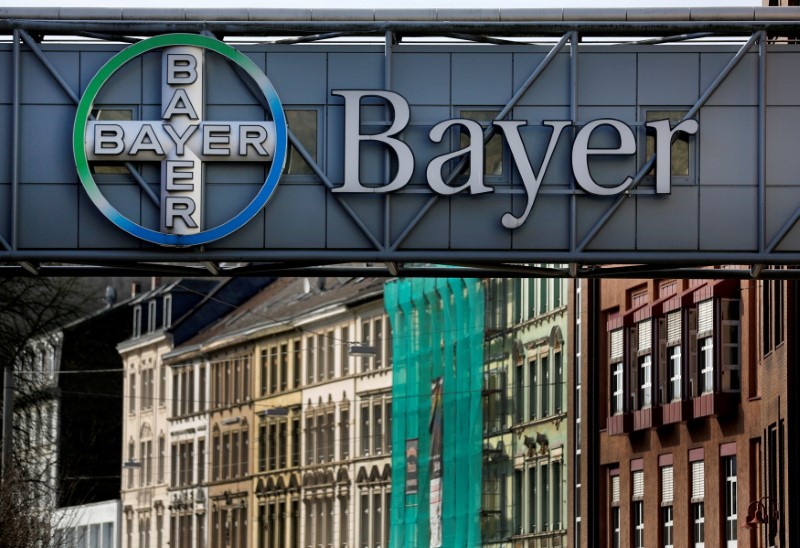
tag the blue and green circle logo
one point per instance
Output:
(181, 140)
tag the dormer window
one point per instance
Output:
(137, 321)
(151, 316)
(167, 311)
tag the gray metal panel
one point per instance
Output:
(551, 88)
(422, 78)
(783, 78)
(727, 148)
(741, 85)
(607, 79)
(5, 144)
(234, 92)
(37, 83)
(783, 136)
(619, 233)
(481, 79)
(225, 200)
(5, 214)
(299, 87)
(50, 213)
(668, 222)
(6, 84)
(295, 218)
(723, 212)
(781, 203)
(340, 230)
(124, 88)
(354, 71)
(667, 79)
(473, 221)
(546, 227)
(97, 232)
(46, 129)
(433, 232)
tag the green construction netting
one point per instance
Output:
(438, 327)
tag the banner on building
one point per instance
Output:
(412, 472)
(435, 428)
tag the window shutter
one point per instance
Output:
(693, 352)
(705, 316)
(666, 485)
(645, 335)
(614, 489)
(616, 344)
(674, 327)
(638, 485)
(698, 477)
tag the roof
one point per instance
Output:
(284, 305)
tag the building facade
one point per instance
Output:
(689, 397)
(525, 412)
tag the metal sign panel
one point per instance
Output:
(436, 153)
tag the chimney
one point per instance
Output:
(135, 288)
(155, 281)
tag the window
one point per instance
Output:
(617, 390)
(730, 362)
(637, 508)
(615, 518)
(296, 363)
(559, 384)
(201, 461)
(698, 510)
(705, 345)
(151, 316)
(638, 524)
(617, 376)
(310, 360)
(365, 432)
(344, 434)
(132, 393)
(262, 448)
(309, 441)
(344, 520)
(344, 351)
(137, 321)
(645, 363)
(377, 416)
(493, 150)
(667, 516)
(365, 340)
(378, 327)
(321, 355)
(731, 521)
(679, 150)
(131, 459)
(364, 529)
(545, 385)
(295, 441)
(772, 299)
(284, 366)
(673, 339)
(533, 389)
(264, 372)
(162, 450)
(273, 369)
(303, 124)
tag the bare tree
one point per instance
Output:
(32, 310)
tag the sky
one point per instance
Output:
(373, 4)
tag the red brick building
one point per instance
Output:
(682, 392)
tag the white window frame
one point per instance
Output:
(618, 386)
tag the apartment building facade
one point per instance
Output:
(525, 412)
(688, 409)
(296, 433)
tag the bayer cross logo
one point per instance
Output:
(181, 141)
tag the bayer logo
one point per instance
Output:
(181, 140)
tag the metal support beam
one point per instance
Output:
(37, 51)
(761, 143)
(15, 141)
(651, 162)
